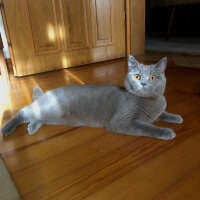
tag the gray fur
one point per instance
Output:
(129, 110)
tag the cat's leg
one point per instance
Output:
(139, 128)
(20, 118)
(170, 118)
(33, 127)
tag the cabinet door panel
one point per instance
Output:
(101, 14)
(43, 25)
(74, 25)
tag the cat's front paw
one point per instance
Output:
(177, 119)
(167, 134)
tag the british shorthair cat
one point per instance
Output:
(129, 110)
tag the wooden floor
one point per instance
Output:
(70, 163)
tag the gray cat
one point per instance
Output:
(128, 110)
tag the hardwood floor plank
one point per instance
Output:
(182, 96)
(21, 139)
(187, 187)
(111, 172)
(86, 172)
(52, 147)
(185, 107)
(28, 179)
(155, 175)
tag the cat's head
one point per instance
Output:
(146, 80)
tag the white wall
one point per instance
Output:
(3, 35)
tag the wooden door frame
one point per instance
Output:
(3, 67)
(134, 19)
(7, 35)
(135, 27)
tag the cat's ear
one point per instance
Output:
(161, 65)
(132, 62)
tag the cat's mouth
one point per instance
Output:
(144, 92)
(143, 89)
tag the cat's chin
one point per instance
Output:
(141, 94)
(144, 95)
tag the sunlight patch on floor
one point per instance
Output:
(5, 103)
(4, 94)
(75, 77)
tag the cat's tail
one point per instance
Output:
(13, 123)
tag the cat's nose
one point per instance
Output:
(143, 84)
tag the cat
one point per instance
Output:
(129, 110)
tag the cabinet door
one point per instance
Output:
(52, 34)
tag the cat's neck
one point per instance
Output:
(153, 97)
(146, 98)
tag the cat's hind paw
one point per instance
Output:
(33, 127)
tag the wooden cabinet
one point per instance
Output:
(52, 34)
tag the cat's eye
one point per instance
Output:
(152, 78)
(137, 76)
